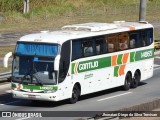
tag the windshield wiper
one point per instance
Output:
(38, 79)
(27, 73)
(32, 73)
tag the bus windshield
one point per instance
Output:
(34, 63)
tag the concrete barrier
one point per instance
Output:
(147, 106)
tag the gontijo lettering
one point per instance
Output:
(88, 65)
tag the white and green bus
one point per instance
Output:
(80, 59)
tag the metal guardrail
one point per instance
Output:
(5, 75)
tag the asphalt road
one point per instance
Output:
(108, 100)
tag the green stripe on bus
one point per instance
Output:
(144, 54)
(13, 85)
(73, 66)
(116, 68)
(119, 60)
(106, 61)
(92, 65)
(35, 87)
(132, 56)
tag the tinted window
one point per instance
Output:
(143, 38)
(76, 49)
(88, 48)
(100, 47)
(112, 42)
(38, 49)
(134, 40)
(146, 37)
(123, 41)
(64, 61)
(149, 38)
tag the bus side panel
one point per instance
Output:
(97, 80)
(147, 70)
(65, 88)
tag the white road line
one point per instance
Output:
(157, 57)
(155, 65)
(114, 96)
(23, 118)
(10, 102)
(156, 68)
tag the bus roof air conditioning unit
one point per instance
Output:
(93, 27)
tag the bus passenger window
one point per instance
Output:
(149, 38)
(106, 46)
(112, 43)
(110, 47)
(123, 41)
(133, 40)
(143, 39)
(76, 49)
(88, 48)
(132, 43)
(99, 46)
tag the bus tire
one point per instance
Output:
(75, 95)
(136, 79)
(128, 80)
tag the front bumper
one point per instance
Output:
(35, 96)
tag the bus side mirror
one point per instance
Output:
(56, 63)
(6, 58)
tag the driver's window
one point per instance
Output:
(64, 61)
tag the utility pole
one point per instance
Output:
(26, 6)
(142, 11)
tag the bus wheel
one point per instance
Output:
(127, 83)
(135, 80)
(75, 95)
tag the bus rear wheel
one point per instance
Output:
(75, 95)
(127, 83)
(135, 80)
